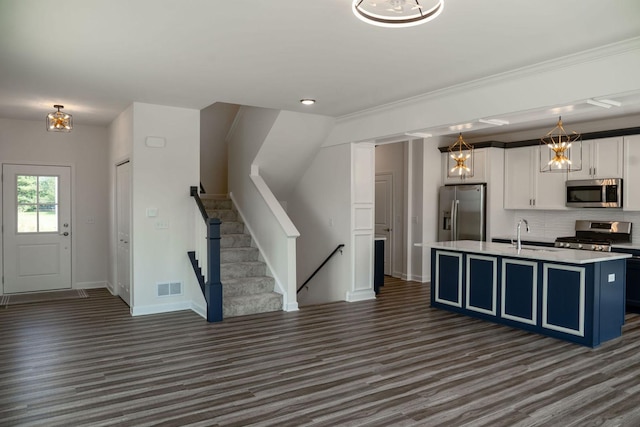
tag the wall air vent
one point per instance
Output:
(169, 289)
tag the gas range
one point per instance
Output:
(596, 235)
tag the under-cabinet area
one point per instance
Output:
(577, 296)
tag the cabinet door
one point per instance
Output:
(482, 284)
(518, 178)
(447, 283)
(564, 298)
(551, 190)
(479, 169)
(519, 291)
(608, 158)
(631, 196)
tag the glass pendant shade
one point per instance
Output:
(460, 162)
(59, 121)
(560, 151)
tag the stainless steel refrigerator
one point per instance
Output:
(462, 212)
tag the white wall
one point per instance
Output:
(85, 150)
(161, 179)
(415, 218)
(320, 207)
(390, 158)
(292, 143)
(215, 122)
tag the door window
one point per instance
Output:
(37, 203)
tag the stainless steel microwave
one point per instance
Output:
(594, 193)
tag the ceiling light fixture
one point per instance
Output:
(396, 13)
(460, 159)
(57, 121)
(307, 101)
(559, 151)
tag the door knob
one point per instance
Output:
(66, 233)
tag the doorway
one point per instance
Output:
(384, 216)
(123, 227)
(36, 221)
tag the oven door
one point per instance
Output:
(596, 193)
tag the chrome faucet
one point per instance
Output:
(519, 241)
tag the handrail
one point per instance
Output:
(339, 248)
(193, 191)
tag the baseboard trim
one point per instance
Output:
(199, 309)
(92, 285)
(293, 306)
(360, 296)
(160, 308)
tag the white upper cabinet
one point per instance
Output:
(601, 158)
(479, 169)
(631, 179)
(525, 187)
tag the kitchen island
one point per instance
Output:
(573, 295)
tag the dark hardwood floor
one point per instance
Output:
(393, 361)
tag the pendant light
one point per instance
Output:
(460, 159)
(58, 121)
(560, 151)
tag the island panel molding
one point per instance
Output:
(519, 291)
(572, 295)
(482, 284)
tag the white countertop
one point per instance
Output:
(550, 240)
(571, 256)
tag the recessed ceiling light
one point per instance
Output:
(419, 134)
(307, 101)
(495, 122)
(598, 103)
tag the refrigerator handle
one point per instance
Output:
(454, 219)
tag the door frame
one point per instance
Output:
(389, 245)
(74, 217)
(114, 234)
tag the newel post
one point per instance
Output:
(213, 286)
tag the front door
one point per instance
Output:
(36, 221)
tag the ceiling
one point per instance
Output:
(97, 57)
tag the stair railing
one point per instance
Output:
(209, 274)
(338, 248)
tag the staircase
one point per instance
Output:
(246, 289)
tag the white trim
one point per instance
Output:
(91, 285)
(566, 61)
(534, 290)
(361, 295)
(290, 307)
(494, 285)
(437, 298)
(110, 288)
(161, 308)
(545, 282)
(199, 309)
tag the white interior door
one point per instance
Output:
(123, 209)
(36, 221)
(384, 215)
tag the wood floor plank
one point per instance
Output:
(392, 361)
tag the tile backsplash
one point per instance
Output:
(552, 224)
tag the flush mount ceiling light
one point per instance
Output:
(58, 121)
(307, 101)
(460, 159)
(396, 13)
(559, 151)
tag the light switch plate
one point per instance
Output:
(612, 277)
